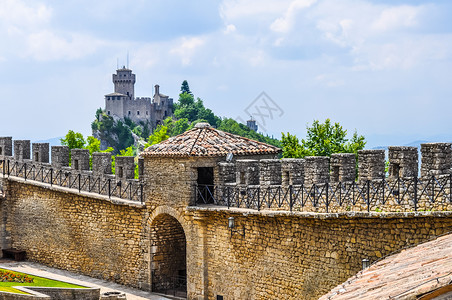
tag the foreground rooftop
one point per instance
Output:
(422, 272)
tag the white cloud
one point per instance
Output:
(187, 48)
(230, 29)
(239, 9)
(16, 15)
(285, 23)
(46, 45)
(393, 18)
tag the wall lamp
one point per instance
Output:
(231, 226)
(366, 263)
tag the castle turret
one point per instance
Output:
(124, 81)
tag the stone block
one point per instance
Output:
(60, 156)
(247, 172)
(80, 159)
(292, 170)
(125, 167)
(40, 152)
(316, 169)
(403, 162)
(21, 150)
(6, 146)
(101, 163)
(342, 167)
(371, 164)
(270, 172)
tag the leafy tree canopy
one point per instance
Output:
(185, 88)
(74, 140)
(322, 139)
(159, 135)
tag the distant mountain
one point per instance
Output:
(52, 141)
(417, 143)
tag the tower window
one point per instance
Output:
(138, 112)
(129, 112)
(108, 112)
(147, 113)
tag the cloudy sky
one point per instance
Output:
(382, 67)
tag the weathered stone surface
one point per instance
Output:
(371, 164)
(316, 169)
(342, 167)
(436, 159)
(6, 146)
(21, 150)
(60, 156)
(403, 162)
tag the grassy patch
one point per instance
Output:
(37, 281)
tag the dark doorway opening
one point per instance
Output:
(205, 182)
(168, 257)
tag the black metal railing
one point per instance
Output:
(397, 194)
(72, 179)
(170, 285)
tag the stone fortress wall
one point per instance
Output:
(270, 254)
(337, 177)
(35, 163)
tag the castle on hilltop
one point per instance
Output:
(123, 104)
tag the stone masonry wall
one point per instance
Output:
(77, 233)
(303, 256)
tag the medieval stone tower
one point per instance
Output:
(123, 104)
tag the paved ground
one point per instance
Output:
(105, 286)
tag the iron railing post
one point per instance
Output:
(79, 182)
(8, 169)
(433, 188)
(327, 201)
(259, 198)
(450, 188)
(415, 193)
(141, 193)
(25, 173)
(290, 198)
(109, 187)
(368, 195)
(51, 176)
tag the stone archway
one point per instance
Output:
(168, 255)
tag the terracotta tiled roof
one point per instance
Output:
(406, 275)
(204, 140)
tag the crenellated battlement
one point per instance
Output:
(340, 182)
(340, 167)
(36, 165)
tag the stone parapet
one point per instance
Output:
(21, 150)
(403, 162)
(371, 164)
(436, 159)
(316, 169)
(40, 152)
(342, 167)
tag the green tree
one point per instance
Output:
(323, 139)
(159, 135)
(291, 146)
(74, 140)
(185, 88)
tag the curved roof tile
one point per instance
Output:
(204, 140)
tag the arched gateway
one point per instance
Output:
(168, 256)
(177, 172)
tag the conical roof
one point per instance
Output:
(203, 140)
